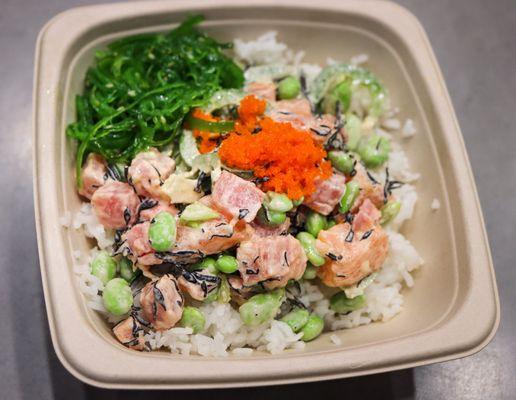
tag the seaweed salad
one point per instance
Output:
(142, 87)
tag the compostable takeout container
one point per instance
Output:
(451, 312)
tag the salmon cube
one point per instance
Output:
(237, 197)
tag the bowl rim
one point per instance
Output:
(81, 18)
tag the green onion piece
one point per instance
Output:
(197, 212)
(209, 126)
(389, 211)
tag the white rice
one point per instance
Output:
(264, 50)
(224, 333)
(335, 340)
(359, 59)
(399, 167)
(409, 129)
(242, 351)
(391, 124)
(66, 219)
(86, 219)
(436, 205)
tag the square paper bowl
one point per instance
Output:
(451, 312)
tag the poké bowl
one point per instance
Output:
(451, 312)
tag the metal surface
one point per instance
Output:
(475, 43)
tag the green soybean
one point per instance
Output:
(117, 296)
(224, 292)
(193, 318)
(296, 319)
(310, 272)
(197, 212)
(308, 243)
(261, 307)
(349, 197)
(374, 150)
(162, 231)
(389, 211)
(212, 296)
(207, 263)
(289, 88)
(299, 201)
(271, 218)
(103, 266)
(342, 304)
(313, 328)
(315, 223)
(341, 161)
(331, 223)
(278, 202)
(227, 264)
(126, 269)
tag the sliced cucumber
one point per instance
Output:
(188, 147)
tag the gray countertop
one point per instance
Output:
(475, 43)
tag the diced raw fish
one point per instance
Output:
(271, 260)
(115, 204)
(148, 171)
(162, 302)
(265, 90)
(327, 194)
(93, 175)
(236, 197)
(354, 251)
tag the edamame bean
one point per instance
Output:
(374, 150)
(197, 212)
(315, 223)
(308, 243)
(278, 202)
(340, 93)
(162, 231)
(310, 272)
(313, 328)
(103, 266)
(193, 318)
(210, 264)
(349, 197)
(126, 269)
(207, 263)
(289, 88)
(117, 296)
(271, 218)
(227, 264)
(341, 161)
(342, 304)
(261, 307)
(299, 201)
(224, 293)
(389, 211)
(212, 296)
(331, 224)
(296, 319)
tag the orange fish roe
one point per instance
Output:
(250, 109)
(208, 140)
(290, 159)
